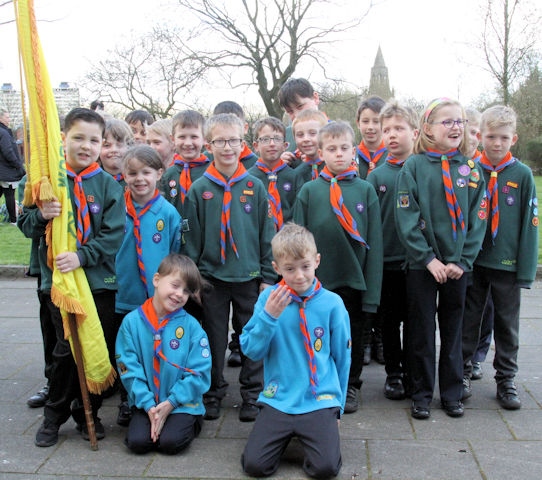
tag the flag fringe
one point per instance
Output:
(100, 387)
(69, 305)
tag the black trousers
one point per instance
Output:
(11, 206)
(506, 296)
(241, 297)
(318, 433)
(422, 291)
(177, 433)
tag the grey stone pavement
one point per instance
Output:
(380, 441)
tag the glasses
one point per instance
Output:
(268, 140)
(232, 142)
(450, 123)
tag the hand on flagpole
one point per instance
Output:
(50, 209)
(67, 262)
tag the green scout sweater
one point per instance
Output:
(170, 184)
(515, 248)
(105, 199)
(384, 180)
(345, 262)
(422, 218)
(287, 185)
(251, 225)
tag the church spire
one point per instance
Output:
(380, 83)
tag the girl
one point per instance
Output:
(164, 362)
(440, 220)
(153, 230)
(159, 137)
(118, 137)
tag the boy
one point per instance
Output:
(118, 138)
(296, 95)
(275, 174)
(306, 127)
(102, 197)
(247, 157)
(229, 204)
(160, 138)
(189, 162)
(508, 258)
(166, 395)
(343, 213)
(301, 332)
(139, 120)
(371, 152)
(399, 131)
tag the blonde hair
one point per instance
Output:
(187, 119)
(225, 120)
(473, 116)
(498, 116)
(308, 115)
(334, 130)
(119, 130)
(293, 241)
(162, 127)
(394, 109)
(424, 142)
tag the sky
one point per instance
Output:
(426, 44)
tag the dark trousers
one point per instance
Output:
(48, 333)
(216, 313)
(353, 301)
(177, 433)
(64, 382)
(486, 332)
(506, 296)
(393, 312)
(422, 291)
(318, 433)
(9, 194)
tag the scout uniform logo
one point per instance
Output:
(464, 170)
(271, 389)
(174, 344)
(287, 187)
(207, 195)
(318, 333)
(179, 332)
(160, 225)
(404, 201)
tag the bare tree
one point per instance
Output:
(271, 38)
(150, 73)
(508, 39)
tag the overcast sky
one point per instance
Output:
(424, 43)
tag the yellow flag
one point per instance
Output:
(48, 180)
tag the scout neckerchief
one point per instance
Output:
(477, 156)
(119, 177)
(302, 302)
(395, 161)
(246, 152)
(83, 215)
(493, 187)
(371, 159)
(136, 218)
(272, 190)
(185, 179)
(315, 163)
(225, 227)
(454, 210)
(148, 314)
(337, 204)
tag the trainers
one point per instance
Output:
(212, 408)
(507, 396)
(98, 428)
(47, 434)
(248, 412)
(477, 372)
(351, 404)
(125, 414)
(467, 390)
(393, 388)
(38, 399)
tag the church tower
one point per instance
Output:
(380, 82)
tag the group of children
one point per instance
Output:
(197, 229)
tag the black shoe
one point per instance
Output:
(453, 409)
(98, 428)
(507, 396)
(366, 354)
(125, 414)
(38, 400)
(393, 388)
(419, 412)
(352, 403)
(212, 408)
(47, 434)
(234, 360)
(467, 389)
(248, 412)
(378, 353)
(477, 372)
